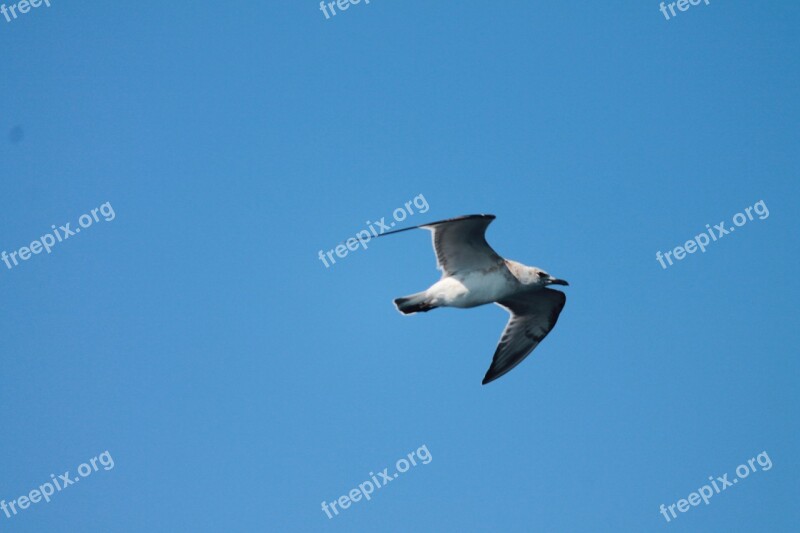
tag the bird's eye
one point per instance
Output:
(542, 275)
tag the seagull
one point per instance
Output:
(473, 274)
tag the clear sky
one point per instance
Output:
(237, 382)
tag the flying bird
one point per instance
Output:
(473, 274)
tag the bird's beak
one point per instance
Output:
(556, 281)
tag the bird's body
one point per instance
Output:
(473, 274)
(471, 289)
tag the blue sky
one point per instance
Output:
(238, 383)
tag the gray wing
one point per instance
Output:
(460, 244)
(533, 315)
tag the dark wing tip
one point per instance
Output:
(431, 224)
(491, 376)
(464, 217)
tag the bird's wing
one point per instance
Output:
(460, 244)
(533, 315)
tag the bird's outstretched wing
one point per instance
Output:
(460, 244)
(533, 315)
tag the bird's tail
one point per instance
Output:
(415, 303)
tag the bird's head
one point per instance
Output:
(540, 278)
